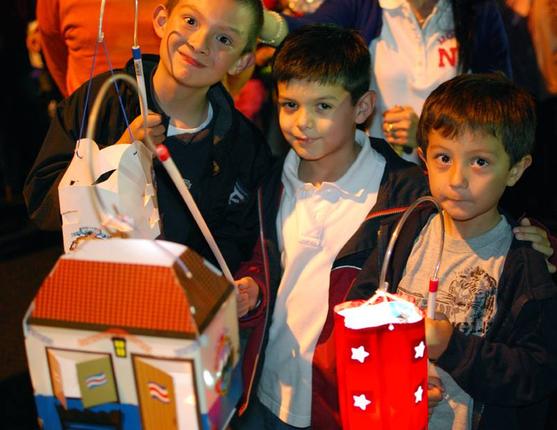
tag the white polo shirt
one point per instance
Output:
(313, 224)
(409, 62)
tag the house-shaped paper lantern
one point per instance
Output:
(133, 334)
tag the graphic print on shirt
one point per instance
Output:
(468, 301)
(448, 52)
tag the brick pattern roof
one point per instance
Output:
(132, 296)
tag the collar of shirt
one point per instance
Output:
(350, 185)
(177, 131)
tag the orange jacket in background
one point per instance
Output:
(69, 30)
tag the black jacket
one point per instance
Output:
(228, 158)
(511, 371)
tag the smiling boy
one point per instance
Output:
(219, 153)
(321, 210)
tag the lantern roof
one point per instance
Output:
(141, 286)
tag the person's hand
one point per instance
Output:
(438, 332)
(248, 293)
(538, 236)
(155, 129)
(33, 43)
(399, 127)
(33, 39)
(435, 393)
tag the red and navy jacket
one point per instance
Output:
(401, 184)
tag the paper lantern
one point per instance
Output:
(381, 364)
(381, 353)
(134, 334)
(121, 176)
(110, 191)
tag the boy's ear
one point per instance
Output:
(364, 106)
(160, 18)
(245, 61)
(516, 171)
(421, 155)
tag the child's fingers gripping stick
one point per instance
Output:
(138, 129)
(242, 303)
(438, 332)
(249, 287)
(435, 393)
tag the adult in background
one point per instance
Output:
(532, 29)
(415, 46)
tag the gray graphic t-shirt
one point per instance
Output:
(468, 278)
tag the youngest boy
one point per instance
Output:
(496, 355)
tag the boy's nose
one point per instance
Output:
(458, 176)
(304, 119)
(199, 41)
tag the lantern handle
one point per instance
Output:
(166, 160)
(382, 294)
(434, 280)
(115, 222)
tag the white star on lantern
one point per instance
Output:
(361, 402)
(391, 327)
(419, 350)
(359, 354)
(418, 394)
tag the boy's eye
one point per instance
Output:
(324, 106)
(288, 105)
(481, 162)
(225, 40)
(443, 158)
(190, 20)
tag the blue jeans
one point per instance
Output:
(259, 417)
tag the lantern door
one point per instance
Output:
(167, 393)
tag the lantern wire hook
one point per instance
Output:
(434, 280)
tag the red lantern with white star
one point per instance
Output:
(381, 353)
(381, 364)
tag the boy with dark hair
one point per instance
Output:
(220, 154)
(320, 212)
(496, 351)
